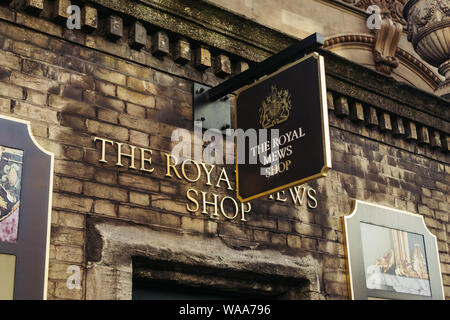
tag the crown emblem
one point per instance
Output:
(276, 108)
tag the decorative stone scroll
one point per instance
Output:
(387, 36)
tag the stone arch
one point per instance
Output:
(359, 48)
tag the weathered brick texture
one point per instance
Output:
(73, 90)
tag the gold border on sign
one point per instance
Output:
(325, 128)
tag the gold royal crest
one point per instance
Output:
(276, 108)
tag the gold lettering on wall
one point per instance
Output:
(197, 167)
(201, 202)
(121, 154)
(171, 165)
(311, 196)
(192, 199)
(223, 173)
(208, 173)
(104, 142)
(206, 203)
(144, 160)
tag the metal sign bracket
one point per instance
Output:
(213, 114)
(212, 105)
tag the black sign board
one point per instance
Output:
(26, 176)
(292, 100)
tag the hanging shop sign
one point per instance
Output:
(391, 255)
(290, 105)
(26, 175)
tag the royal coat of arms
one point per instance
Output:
(276, 108)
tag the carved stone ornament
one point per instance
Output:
(387, 34)
(429, 32)
(386, 42)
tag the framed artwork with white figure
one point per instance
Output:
(391, 254)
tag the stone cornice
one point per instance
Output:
(205, 23)
(386, 93)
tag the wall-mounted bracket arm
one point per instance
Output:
(210, 103)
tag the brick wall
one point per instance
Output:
(73, 86)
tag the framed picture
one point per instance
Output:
(26, 180)
(391, 255)
(11, 161)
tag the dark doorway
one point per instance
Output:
(164, 280)
(161, 290)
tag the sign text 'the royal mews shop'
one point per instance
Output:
(191, 171)
(291, 106)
